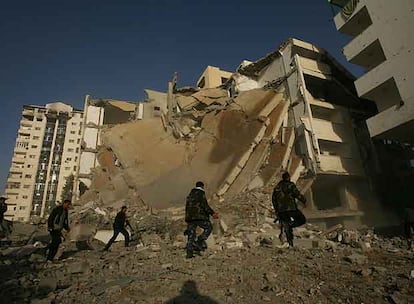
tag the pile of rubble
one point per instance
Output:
(245, 262)
(233, 144)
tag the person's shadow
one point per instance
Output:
(189, 295)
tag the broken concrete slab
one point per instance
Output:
(100, 289)
(105, 235)
(356, 258)
(47, 285)
(78, 267)
(365, 246)
(82, 232)
(186, 102)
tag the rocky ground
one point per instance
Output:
(244, 264)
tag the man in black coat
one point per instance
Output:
(197, 214)
(119, 227)
(284, 199)
(4, 227)
(58, 220)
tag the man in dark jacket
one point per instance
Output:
(58, 220)
(284, 199)
(197, 214)
(119, 227)
(4, 227)
(409, 225)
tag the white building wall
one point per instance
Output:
(25, 161)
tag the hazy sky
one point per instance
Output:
(62, 50)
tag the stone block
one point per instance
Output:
(105, 235)
(356, 258)
(78, 267)
(223, 226)
(48, 284)
(365, 246)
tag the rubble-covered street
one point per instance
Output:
(245, 263)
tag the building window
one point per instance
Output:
(37, 128)
(72, 132)
(22, 207)
(67, 168)
(202, 83)
(74, 168)
(34, 146)
(73, 123)
(24, 196)
(36, 137)
(38, 119)
(78, 141)
(71, 140)
(29, 166)
(224, 80)
(68, 158)
(26, 186)
(157, 108)
(32, 156)
(28, 176)
(77, 150)
(70, 150)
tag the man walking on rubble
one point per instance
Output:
(284, 199)
(57, 221)
(4, 227)
(119, 227)
(197, 214)
(409, 225)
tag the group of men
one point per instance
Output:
(59, 220)
(197, 214)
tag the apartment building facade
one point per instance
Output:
(46, 153)
(99, 113)
(328, 118)
(381, 42)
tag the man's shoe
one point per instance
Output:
(189, 255)
(202, 245)
(281, 237)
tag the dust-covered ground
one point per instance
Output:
(159, 273)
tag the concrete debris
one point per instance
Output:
(223, 226)
(79, 267)
(47, 285)
(356, 258)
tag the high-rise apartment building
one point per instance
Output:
(381, 42)
(46, 153)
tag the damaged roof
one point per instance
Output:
(254, 69)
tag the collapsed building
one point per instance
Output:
(295, 109)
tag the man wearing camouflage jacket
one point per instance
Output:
(197, 214)
(284, 199)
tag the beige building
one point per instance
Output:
(213, 77)
(328, 121)
(46, 152)
(99, 113)
(382, 44)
